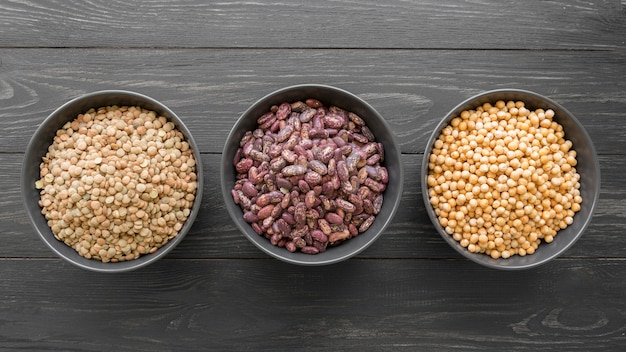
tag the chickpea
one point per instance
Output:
(519, 184)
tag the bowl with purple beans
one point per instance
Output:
(311, 174)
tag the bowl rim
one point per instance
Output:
(46, 234)
(260, 241)
(471, 103)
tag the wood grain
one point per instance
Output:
(456, 24)
(264, 305)
(410, 235)
(413, 61)
(209, 89)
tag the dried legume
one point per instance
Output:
(309, 176)
(503, 178)
(117, 183)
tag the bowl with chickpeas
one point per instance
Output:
(112, 181)
(510, 179)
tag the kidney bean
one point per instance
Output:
(373, 160)
(318, 166)
(340, 142)
(235, 196)
(352, 161)
(275, 238)
(289, 219)
(328, 189)
(333, 218)
(303, 186)
(244, 165)
(325, 153)
(338, 236)
(362, 175)
(324, 226)
(332, 167)
(366, 224)
(374, 185)
(268, 123)
(284, 227)
(309, 176)
(333, 120)
(298, 231)
(367, 133)
(250, 217)
(292, 141)
(293, 170)
(369, 149)
(278, 164)
(265, 212)
(342, 171)
(384, 175)
(291, 247)
(368, 206)
(277, 211)
(307, 115)
(257, 228)
(325, 204)
(347, 187)
(377, 204)
(284, 134)
(314, 215)
(299, 242)
(267, 222)
(359, 138)
(275, 126)
(354, 231)
(321, 246)
(289, 155)
(269, 180)
(309, 199)
(283, 111)
(284, 203)
(300, 213)
(263, 119)
(314, 103)
(282, 182)
(308, 239)
(244, 201)
(345, 205)
(310, 250)
(319, 236)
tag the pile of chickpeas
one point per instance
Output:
(502, 179)
(117, 183)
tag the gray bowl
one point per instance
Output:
(588, 167)
(38, 146)
(328, 96)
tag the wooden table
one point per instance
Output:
(413, 61)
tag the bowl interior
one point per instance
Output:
(38, 147)
(588, 167)
(328, 96)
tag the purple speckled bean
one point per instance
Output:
(310, 250)
(309, 176)
(294, 170)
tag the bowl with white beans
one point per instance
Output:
(510, 179)
(112, 180)
(311, 174)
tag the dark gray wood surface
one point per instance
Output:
(413, 61)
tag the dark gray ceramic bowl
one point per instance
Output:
(42, 139)
(588, 168)
(328, 96)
